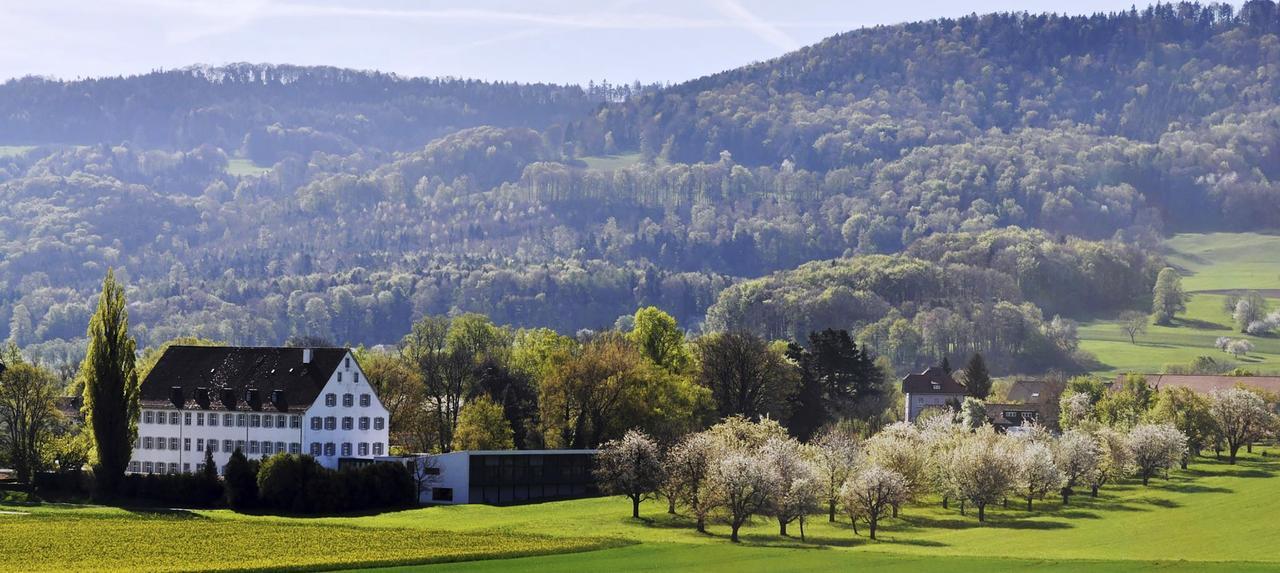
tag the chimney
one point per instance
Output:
(229, 398)
(254, 398)
(175, 396)
(306, 356)
(202, 397)
(278, 400)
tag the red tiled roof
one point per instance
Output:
(932, 381)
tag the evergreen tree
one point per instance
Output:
(946, 365)
(210, 470)
(110, 388)
(1168, 298)
(977, 378)
(241, 481)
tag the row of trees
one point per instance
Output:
(739, 469)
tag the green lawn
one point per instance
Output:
(1215, 517)
(614, 162)
(1212, 264)
(245, 167)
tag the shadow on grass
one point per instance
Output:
(1199, 324)
(166, 512)
(909, 523)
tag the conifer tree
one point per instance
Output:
(977, 377)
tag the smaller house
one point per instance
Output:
(932, 388)
(1008, 417)
(502, 476)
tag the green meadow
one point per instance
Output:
(1213, 265)
(1214, 517)
(241, 167)
(14, 150)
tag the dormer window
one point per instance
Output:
(937, 387)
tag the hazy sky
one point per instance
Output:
(557, 41)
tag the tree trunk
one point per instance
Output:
(671, 504)
(1093, 491)
(702, 524)
(782, 528)
(1028, 504)
(802, 528)
(831, 511)
(1232, 450)
(635, 507)
(734, 536)
(1145, 479)
(895, 510)
(854, 521)
(871, 526)
(982, 512)
(1066, 496)
(962, 507)
(944, 502)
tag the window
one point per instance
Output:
(240, 420)
(339, 376)
(240, 446)
(146, 467)
(134, 466)
(173, 467)
(200, 418)
(213, 446)
(328, 449)
(186, 418)
(268, 448)
(331, 400)
(295, 448)
(148, 417)
(227, 420)
(364, 422)
(228, 446)
(268, 421)
(346, 449)
(146, 443)
(255, 421)
(253, 446)
(441, 494)
(160, 443)
(173, 444)
(160, 417)
(199, 468)
(330, 423)
(347, 362)
(317, 423)
(186, 467)
(346, 423)
(363, 448)
(173, 418)
(355, 377)
(295, 422)
(377, 448)
(315, 448)
(199, 444)
(280, 447)
(280, 421)
(348, 400)
(378, 423)
(364, 400)
(213, 419)
(186, 444)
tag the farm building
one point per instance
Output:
(260, 400)
(503, 476)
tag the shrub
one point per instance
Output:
(241, 481)
(299, 484)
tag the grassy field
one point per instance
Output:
(1213, 265)
(240, 167)
(618, 161)
(1213, 518)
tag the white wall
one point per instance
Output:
(348, 378)
(194, 433)
(455, 474)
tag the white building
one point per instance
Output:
(261, 401)
(932, 388)
(502, 476)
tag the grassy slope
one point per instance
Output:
(1214, 518)
(1211, 263)
(240, 167)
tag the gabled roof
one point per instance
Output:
(935, 380)
(1208, 383)
(1029, 391)
(239, 368)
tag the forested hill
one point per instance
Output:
(253, 203)
(273, 110)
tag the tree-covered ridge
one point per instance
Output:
(949, 296)
(277, 109)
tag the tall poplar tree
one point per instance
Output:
(110, 388)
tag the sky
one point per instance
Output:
(511, 40)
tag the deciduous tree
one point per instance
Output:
(110, 387)
(630, 466)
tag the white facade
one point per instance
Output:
(346, 420)
(917, 403)
(505, 476)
